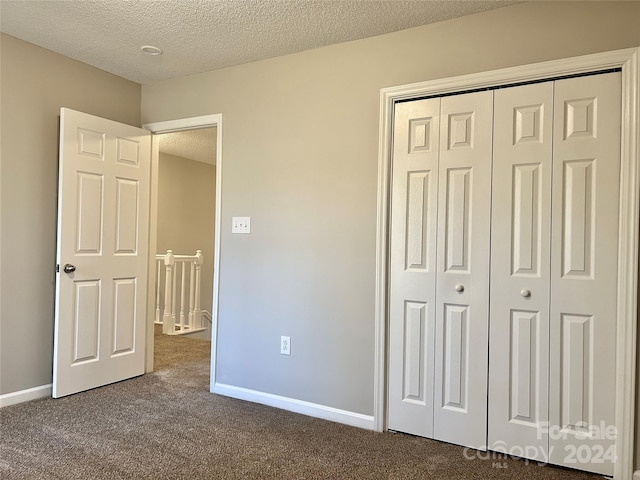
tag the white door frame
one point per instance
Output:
(170, 126)
(628, 61)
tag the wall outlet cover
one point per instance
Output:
(285, 345)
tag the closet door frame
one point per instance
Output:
(629, 238)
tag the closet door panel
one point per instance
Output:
(521, 223)
(584, 256)
(461, 332)
(413, 266)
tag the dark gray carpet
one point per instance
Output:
(166, 425)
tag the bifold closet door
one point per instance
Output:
(439, 263)
(584, 257)
(412, 296)
(521, 225)
(550, 212)
(462, 285)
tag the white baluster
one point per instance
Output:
(183, 299)
(168, 324)
(174, 285)
(192, 293)
(197, 314)
(158, 286)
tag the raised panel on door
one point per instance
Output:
(88, 225)
(103, 226)
(127, 216)
(125, 316)
(86, 321)
(464, 208)
(584, 258)
(413, 267)
(521, 223)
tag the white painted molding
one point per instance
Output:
(628, 246)
(153, 243)
(297, 406)
(628, 268)
(627, 60)
(636, 475)
(21, 396)
(214, 120)
(184, 124)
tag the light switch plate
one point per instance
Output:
(241, 225)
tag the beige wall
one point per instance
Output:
(186, 208)
(35, 83)
(300, 143)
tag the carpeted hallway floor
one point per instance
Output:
(167, 425)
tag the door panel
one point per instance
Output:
(86, 320)
(126, 216)
(520, 229)
(455, 352)
(89, 224)
(464, 208)
(103, 224)
(413, 267)
(584, 271)
(125, 315)
(457, 207)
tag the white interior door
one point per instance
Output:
(520, 232)
(102, 252)
(413, 266)
(462, 310)
(584, 252)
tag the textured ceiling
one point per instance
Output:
(202, 35)
(198, 145)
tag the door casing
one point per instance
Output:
(628, 61)
(169, 126)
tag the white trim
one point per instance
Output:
(153, 241)
(627, 60)
(628, 267)
(13, 398)
(180, 124)
(382, 242)
(297, 406)
(204, 121)
(636, 475)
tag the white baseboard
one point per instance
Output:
(297, 406)
(636, 475)
(25, 395)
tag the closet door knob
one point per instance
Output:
(525, 293)
(459, 288)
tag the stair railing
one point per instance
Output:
(176, 318)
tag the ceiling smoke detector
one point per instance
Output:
(151, 50)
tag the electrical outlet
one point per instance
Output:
(241, 225)
(285, 345)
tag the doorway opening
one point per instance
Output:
(185, 240)
(185, 217)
